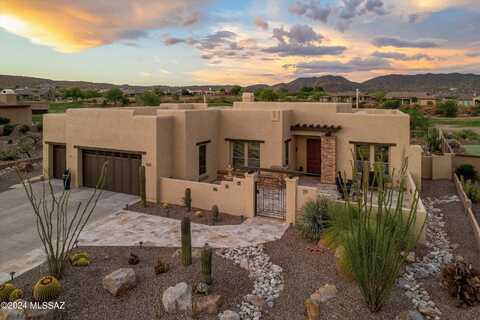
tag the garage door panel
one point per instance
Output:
(122, 172)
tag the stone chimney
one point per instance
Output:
(248, 97)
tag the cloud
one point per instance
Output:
(262, 24)
(402, 56)
(309, 50)
(72, 26)
(473, 54)
(298, 34)
(312, 10)
(170, 41)
(354, 65)
(401, 43)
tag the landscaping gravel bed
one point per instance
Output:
(178, 212)
(9, 177)
(304, 272)
(86, 298)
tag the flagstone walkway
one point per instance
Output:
(128, 228)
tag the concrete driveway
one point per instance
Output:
(18, 235)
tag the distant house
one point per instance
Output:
(465, 100)
(15, 112)
(406, 97)
(349, 97)
(41, 92)
(476, 100)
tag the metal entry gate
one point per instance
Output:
(270, 196)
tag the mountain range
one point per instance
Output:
(430, 82)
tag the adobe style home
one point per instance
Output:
(190, 145)
(16, 112)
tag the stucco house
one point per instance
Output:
(17, 113)
(406, 97)
(190, 145)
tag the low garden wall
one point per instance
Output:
(233, 197)
(467, 205)
(15, 163)
(437, 167)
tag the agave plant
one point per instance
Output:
(314, 218)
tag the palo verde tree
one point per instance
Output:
(58, 224)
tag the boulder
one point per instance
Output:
(229, 315)
(177, 298)
(410, 258)
(202, 288)
(12, 314)
(120, 281)
(256, 300)
(410, 315)
(325, 293)
(208, 304)
(312, 309)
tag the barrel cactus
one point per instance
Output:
(207, 264)
(186, 236)
(215, 214)
(79, 259)
(16, 294)
(5, 291)
(46, 289)
(188, 199)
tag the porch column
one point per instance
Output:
(250, 194)
(329, 159)
(291, 198)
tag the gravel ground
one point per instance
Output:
(86, 299)
(8, 176)
(305, 272)
(460, 232)
(178, 212)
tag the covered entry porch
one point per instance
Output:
(315, 152)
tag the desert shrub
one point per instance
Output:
(24, 128)
(448, 108)
(466, 172)
(4, 120)
(466, 134)
(472, 190)
(148, 98)
(433, 140)
(339, 215)
(379, 233)
(9, 154)
(7, 129)
(40, 126)
(392, 104)
(314, 218)
(462, 282)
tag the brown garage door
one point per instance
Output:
(59, 161)
(122, 173)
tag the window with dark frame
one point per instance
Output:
(245, 154)
(287, 152)
(202, 159)
(381, 153)
(362, 156)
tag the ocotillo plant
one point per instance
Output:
(207, 264)
(186, 242)
(188, 199)
(141, 177)
(215, 214)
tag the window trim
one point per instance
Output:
(245, 153)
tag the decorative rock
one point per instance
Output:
(202, 288)
(12, 314)
(255, 300)
(120, 281)
(229, 315)
(199, 213)
(410, 315)
(325, 293)
(208, 304)
(410, 258)
(312, 309)
(133, 259)
(178, 298)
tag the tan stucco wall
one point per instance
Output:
(415, 164)
(461, 159)
(17, 114)
(442, 166)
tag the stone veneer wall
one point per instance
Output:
(329, 159)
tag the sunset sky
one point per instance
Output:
(185, 42)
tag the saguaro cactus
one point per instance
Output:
(188, 199)
(207, 264)
(215, 214)
(141, 176)
(186, 242)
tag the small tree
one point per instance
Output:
(448, 108)
(266, 94)
(114, 95)
(58, 227)
(236, 90)
(149, 99)
(392, 104)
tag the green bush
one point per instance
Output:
(466, 134)
(466, 172)
(4, 120)
(314, 218)
(24, 128)
(392, 104)
(472, 190)
(149, 99)
(338, 227)
(9, 154)
(448, 108)
(7, 129)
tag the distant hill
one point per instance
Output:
(461, 83)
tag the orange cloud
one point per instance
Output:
(69, 26)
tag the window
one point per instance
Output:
(287, 153)
(381, 153)
(245, 154)
(202, 159)
(362, 156)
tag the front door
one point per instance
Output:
(314, 159)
